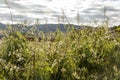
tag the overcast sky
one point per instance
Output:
(50, 10)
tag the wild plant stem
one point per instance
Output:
(11, 16)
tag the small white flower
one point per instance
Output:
(76, 75)
(63, 69)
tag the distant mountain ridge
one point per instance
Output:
(2, 26)
(43, 27)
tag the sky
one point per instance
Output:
(51, 11)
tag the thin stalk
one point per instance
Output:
(78, 18)
(104, 15)
(58, 22)
(11, 16)
(34, 66)
(65, 17)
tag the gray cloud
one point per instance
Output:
(2, 1)
(110, 0)
(7, 16)
(41, 11)
(93, 11)
(17, 6)
(3, 6)
(48, 0)
(112, 9)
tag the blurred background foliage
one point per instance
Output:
(77, 54)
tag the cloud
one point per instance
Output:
(51, 9)
(49, 0)
(2, 1)
(17, 6)
(112, 9)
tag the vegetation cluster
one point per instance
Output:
(85, 54)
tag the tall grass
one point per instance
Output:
(87, 54)
(11, 16)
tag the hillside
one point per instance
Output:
(43, 27)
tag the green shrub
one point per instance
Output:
(86, 54)
(14, 55)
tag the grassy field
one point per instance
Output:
(86, 54)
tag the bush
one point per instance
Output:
(86, 54)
